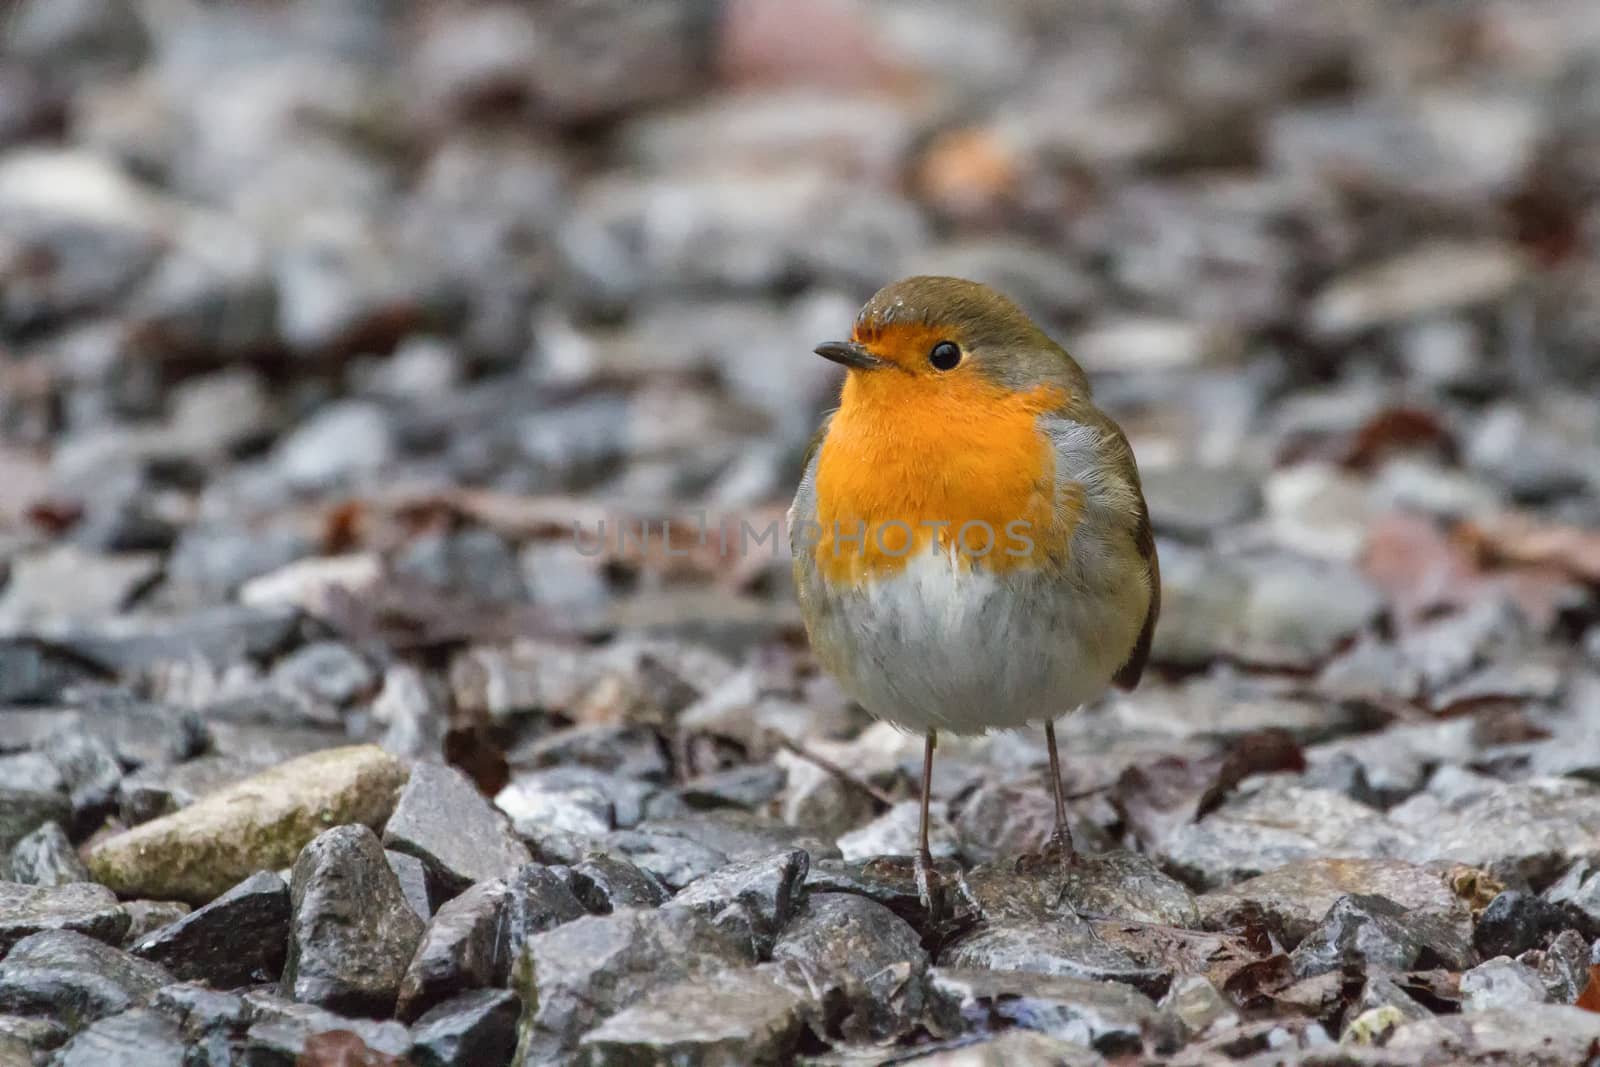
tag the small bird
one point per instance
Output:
(972, 549)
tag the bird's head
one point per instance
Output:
(947, 337)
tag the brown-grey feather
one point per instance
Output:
(1144, 539)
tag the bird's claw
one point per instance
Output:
(931, 891)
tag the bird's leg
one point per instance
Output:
(929, 887)
(1061, 837)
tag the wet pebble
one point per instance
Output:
(351, 931)
(238, 939)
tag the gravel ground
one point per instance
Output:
(333, 730)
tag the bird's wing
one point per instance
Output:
(1093, 456)
(1144, 539)
(805, 496)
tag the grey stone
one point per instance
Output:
(352, 933)
(264, 745)
(845, 237)
(1061, 947)
(749, 787)
(74, 979)
(82, 907)
(521, 679)
(67, 584)
(598, 62)
(1446, 651)
(1275, 824)
(1293, 899)
(1502, 983)
(539, 898)
(756, 897)
(894, 833)
(738, 835)
(1563, 967)
(474, 1028)
(1193, 502)
(141, 1037)
(346, 441)
(313, 585)
(1578, 891)
(412, 708)
(142, 733)
(268, 702)
(25, 1034)
(1515, 922)
(1382, 993)
(629, 750)
(145, 917)
(725, 1017)
(1394, 763)
(201, 1012)
(667, 853)
(464, 947)
(83, 38)
(1013, 1048)
(156, 791)
(22, 811)
(840, 934)
(1277, 610)
(580, 799)
(413, 878)
(1113, 885)
(474, 563)
(1377, 933)
(279, 1030)
(1200, 1007)
(327, 671)
(30, 772)
(32, 672)
(1433, 277)
(605, 883)
(1109, 1017)
(91, 771)
(575, 976)
(220, 635)
(538, 807)
(46, 857)
(210, 563)
(1528, 831)
(444, 821)
(890, 881)
(1001, 820)
(1226, 706)
(1529, 1035)
(238, 939)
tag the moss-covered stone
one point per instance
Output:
(261, 823)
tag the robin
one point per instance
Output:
(971, 544)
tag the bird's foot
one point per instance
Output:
(931, 891)
(1058, 856)
(1060, 853)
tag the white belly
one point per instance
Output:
(968, 651)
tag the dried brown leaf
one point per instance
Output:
(1521, 540)
(342, 1048)
(1157, 798)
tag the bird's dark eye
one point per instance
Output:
(945, 355)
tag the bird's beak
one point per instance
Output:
(849, 354)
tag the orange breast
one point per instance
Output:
(917, 464)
